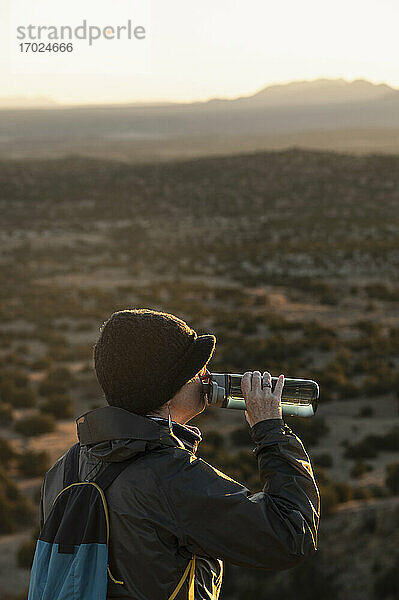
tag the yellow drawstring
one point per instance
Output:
(190, 581)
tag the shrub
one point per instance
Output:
(381, 291)
(370, 445)
(335, 379)
(36, 496)
(23, 398)
(386, 585)
(367, 448)
(15, 390)
(241, 437)
(7, 452)
(14, 359)
(310, 431)
(369, 522)
(208, 453)
(343, 490)
(15, 509)
(321, 475)
(57, 381)
(33, 464)
(323, 460)
(377, 491)
(51, 388)
(390, 441)
(6, 416)
(381, 381)
(328, 499)
(360, 468)
(35, 425)
(215, 439)
(12, 378)
(40, 364)
(59, 351)
(26, 553)
(60, 407)
(366, 411)
(392, 478)
(312, 579)
(319, 336)
(361, 493)
(211, 448)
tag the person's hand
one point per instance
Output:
(261, 402)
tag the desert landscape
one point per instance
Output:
(290, 257)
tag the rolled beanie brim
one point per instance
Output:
(197, 356)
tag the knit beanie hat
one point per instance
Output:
(143, 357)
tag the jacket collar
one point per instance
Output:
(189, 434)
(112, 423)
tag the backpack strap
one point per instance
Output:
(104, 480)
(109, 474)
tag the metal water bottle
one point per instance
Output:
(299, 397)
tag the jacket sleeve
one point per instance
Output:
(272, 529)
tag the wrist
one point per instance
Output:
(267, 424)
(271, 416)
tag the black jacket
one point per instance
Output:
(168, 504)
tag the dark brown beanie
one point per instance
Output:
(143, 357)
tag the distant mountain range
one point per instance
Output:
(295, 93)
(319, 91)
(356, 116)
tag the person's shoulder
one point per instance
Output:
(59, 463)
(54, 476)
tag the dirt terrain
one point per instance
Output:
(290, 258)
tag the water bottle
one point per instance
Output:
(299, 397)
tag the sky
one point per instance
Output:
(213, 48)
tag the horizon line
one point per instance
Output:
(54, 103)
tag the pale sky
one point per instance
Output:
(227, 48)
